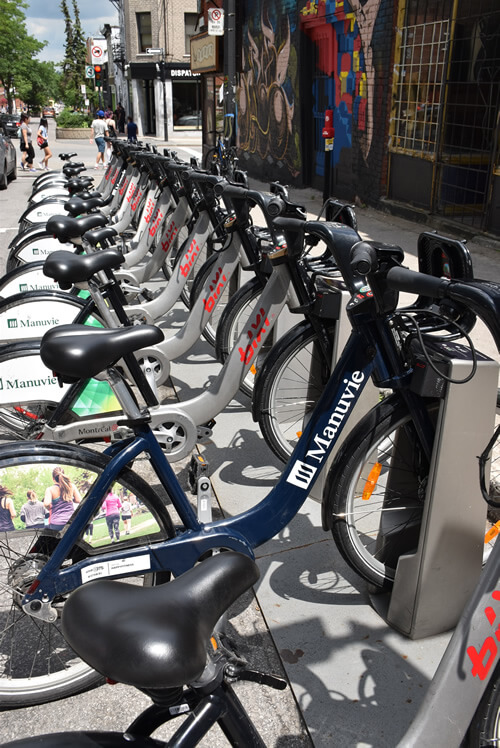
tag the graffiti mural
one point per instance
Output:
(352, 64)
(268, 89)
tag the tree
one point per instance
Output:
(75, 53)
(41, 83)
(17, 48)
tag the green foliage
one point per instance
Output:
(40, 84)
(75, 52)
(67, 118)
(17, 48)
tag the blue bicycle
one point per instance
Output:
(40, 567)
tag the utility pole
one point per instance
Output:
(230, 70)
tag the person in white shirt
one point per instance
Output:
(99, 132)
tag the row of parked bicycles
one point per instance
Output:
(86, 353)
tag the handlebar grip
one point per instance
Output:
(231, 190)
(363, 258)
(275, 207)
(402, 279)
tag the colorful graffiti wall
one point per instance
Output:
(268, 95)
(303, 57)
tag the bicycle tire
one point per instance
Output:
(376, 491)
(288, 385)
(36, 664)
(485, 725)
(364, 474)
(232, 321)
(210, 330)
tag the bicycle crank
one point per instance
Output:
(175, 431)
(155, 365)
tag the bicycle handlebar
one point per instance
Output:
(403, 279)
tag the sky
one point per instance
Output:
(45, 21)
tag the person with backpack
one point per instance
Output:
(111, 125)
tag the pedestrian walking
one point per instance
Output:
(111, 125)
(112, 506)
(99, 132)
(26, 146)
(131, 130)
(42, 139)
(120, 117)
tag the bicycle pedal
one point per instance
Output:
(198, 467)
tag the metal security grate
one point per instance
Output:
(421, 77)
(470, 128)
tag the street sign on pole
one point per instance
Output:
(97, 54)
(89, 71)
(154, 50)
(215, 22)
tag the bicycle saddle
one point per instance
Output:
(155, 637)
(68, 268)
(76, 352)
(83, 203)
(66, 228)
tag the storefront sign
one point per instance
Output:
(204, 53)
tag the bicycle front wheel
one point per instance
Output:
(485, 726)
(288, 386)
(376, 491)
(36, 664)
(233, 321)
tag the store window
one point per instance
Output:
(144, 35)
(190, 24)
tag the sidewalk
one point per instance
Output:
(355, 682)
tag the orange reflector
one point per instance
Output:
(299, 434)
(253, 369)
(492, 532)
(371, 481)
(213, 642)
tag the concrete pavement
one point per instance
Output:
(354, 680)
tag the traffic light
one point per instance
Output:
(98, 75)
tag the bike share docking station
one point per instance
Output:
(435, 579)
(433, 583)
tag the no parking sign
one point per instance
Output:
(215, 22)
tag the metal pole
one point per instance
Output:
(164, 73)
(230, 70)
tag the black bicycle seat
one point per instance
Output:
(68, 268)
(76, 352)
(66, 228)
(155, 637)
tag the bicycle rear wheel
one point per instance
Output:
(36, 664)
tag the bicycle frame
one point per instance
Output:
(241, 533)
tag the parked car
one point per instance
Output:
(48, 111)
(189, 120)
(8, 158)
(11, 122)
